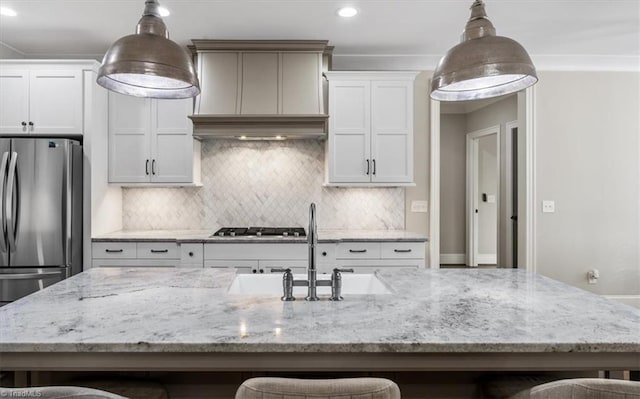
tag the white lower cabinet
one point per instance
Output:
(256, 258)
(138, 254)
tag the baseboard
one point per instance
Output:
(453, 259)
(631, 300)
(487, 259)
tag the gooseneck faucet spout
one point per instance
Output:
(312, 240)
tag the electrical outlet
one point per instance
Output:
(548, 206)
(593, 276)
(420, 206)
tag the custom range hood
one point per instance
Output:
(261, 89)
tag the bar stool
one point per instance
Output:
(583, 388)
(343, 388)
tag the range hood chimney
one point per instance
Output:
(261, 89)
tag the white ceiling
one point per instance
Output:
(582, 30)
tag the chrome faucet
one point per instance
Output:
(288, 282)
(312, 240)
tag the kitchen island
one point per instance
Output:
(185, 320)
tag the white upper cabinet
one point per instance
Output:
(41, 99)
(150, 140)
(370, 128)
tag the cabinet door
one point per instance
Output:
(171, 141)
(14, 101)
(301, 79)
(129, 139)
(349, 132)
(55, 101)
(259, 83)
(218, 83)
(392, 131)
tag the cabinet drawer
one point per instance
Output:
(255, 251)
(402, 250)
(192, 254)
(113, 250)
(157, 250)
(358, 250)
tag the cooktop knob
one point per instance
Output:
(285, 233)
(221, 233)
(259, 234)
(297, 234)
(232, 234)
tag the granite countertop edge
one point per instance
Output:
(355, 348)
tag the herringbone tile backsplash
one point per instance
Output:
(268, 183)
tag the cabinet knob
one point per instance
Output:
(254, 271)
(261, 270)
(24, 123)
(30, 123)
(324, 253)
(191, 254)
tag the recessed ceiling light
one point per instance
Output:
(163, 11)
(347, 12)
(7, 12)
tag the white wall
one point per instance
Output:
(588, 162)
(453, 130)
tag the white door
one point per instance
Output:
(483, 192)
(171, 141)
(55, 102)
(14, 101)
(129, 139)
(392, 131)
(350, 132)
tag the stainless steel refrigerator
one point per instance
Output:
(41, 213)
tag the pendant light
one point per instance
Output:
(483, 65)
(147, 63)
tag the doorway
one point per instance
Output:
(451, 243)
(483, 196)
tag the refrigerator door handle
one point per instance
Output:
(8, 208)
(32, 276)
(3, 227)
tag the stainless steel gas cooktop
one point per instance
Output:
(260, 232)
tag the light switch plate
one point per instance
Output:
(548, 206)
(420, 206)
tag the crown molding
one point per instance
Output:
(428, 62)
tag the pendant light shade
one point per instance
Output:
(147, 63)
(483, 65)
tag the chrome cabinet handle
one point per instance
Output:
(159, 251)
(374, 167)
(357, 251)
(113, 251)
(368, 167)
(153, 167)
(146, 167)
(402, 251)
(11, 224)
(3, 172)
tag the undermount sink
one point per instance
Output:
(271, 285)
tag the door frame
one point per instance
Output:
(526, 181)
(508, 189)
(472, 192)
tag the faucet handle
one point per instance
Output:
(280, 270)
(338, 270)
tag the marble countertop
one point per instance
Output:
(194, 236)
(431, 311)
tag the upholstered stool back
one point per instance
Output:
(583, 388)
(290, 388)
(57, 393)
